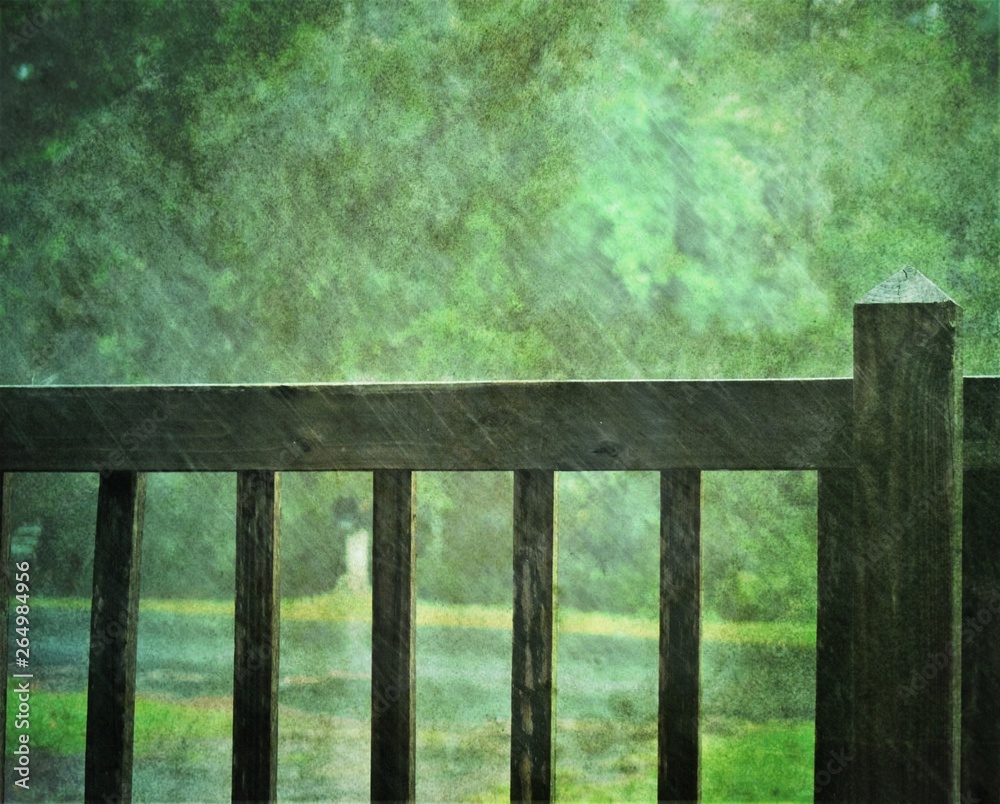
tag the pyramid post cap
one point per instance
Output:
(906, 286)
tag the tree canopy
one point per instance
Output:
(248, 191)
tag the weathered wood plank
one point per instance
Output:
(675, 424)
(981, 637)
(255, 663)
(981, 425)
(907, 503)
(114, 621)
(532, 700)
(736, 424)
(678, 773)
(836, 560)
(393, 719)
(5, 590)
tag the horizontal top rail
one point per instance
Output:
(568, 425)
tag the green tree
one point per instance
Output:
(252, 191)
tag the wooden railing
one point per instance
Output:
(907, 693)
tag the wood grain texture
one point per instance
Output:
(114, 620)
(649, 425)
(907, 286)
(393, 720)
(532, 697)
(5, 590)
(679, 754)
(837, 556)
(733, 424)
(981, 423)
(981, 637)
(255, 663)
(907, 506)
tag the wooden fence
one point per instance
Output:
(908, 457)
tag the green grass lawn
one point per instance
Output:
(742, 761)
(753, 748)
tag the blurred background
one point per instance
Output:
(255, 191)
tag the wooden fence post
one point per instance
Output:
(981, 636)
(532, 698)
(835, 573)
(393, 719)
(679, 710)
(905, 596)
(255, 661)
(114, 620)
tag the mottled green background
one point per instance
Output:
(255, 191)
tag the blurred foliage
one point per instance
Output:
(252, 191)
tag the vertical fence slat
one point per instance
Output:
(678, 754)
(981, 636)
(393, 721)
(907, 497)
(531, 690)
(836, 559)
(255, 662)
(5, 589)
(114, 618)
